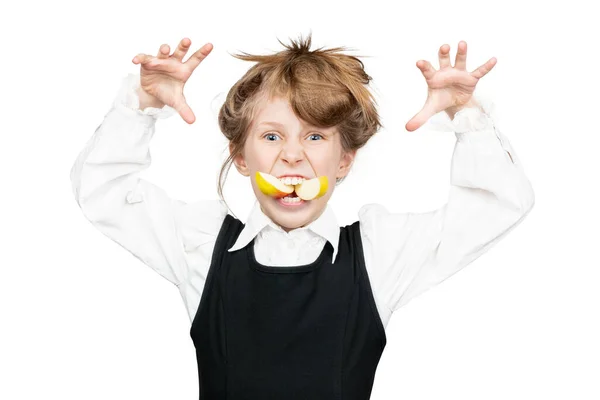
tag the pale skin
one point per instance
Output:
(293, 146)
(449, 89)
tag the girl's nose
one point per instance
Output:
(292, 152)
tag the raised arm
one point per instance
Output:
(408, 253)
(131, 211)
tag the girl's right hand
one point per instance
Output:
(164, 76)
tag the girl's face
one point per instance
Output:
(278, 143)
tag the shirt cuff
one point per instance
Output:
(128, 98)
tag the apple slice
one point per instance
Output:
(272, 186)
(312, 188)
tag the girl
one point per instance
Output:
(290, 305)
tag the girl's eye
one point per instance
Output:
(269, 134)
(274, 135)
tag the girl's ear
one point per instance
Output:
(240, 163)
(346, 163)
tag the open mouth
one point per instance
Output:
(291, 199)
(292, 189)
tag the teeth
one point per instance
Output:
(291, 180)
(291, 200)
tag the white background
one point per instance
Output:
(81, 318)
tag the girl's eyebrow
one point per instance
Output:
(280, 125)
(271, 123)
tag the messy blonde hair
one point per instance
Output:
(324, 88)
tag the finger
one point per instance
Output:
(182, 49)
(421, 117)
(142, 58)
(485, 68)
(154, 64)
(444, 55)
(461, 56)
(163, 52)
(186, 113)
(180, 105)
(426, 68)
(196, 58)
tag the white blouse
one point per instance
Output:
(405, 253)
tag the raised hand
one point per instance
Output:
(449, 88)
(164, 76)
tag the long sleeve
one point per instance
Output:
(408, 253)
(131, 211)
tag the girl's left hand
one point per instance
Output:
(449, 88)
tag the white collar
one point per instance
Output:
(325, 226)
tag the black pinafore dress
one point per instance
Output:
(308, 332)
